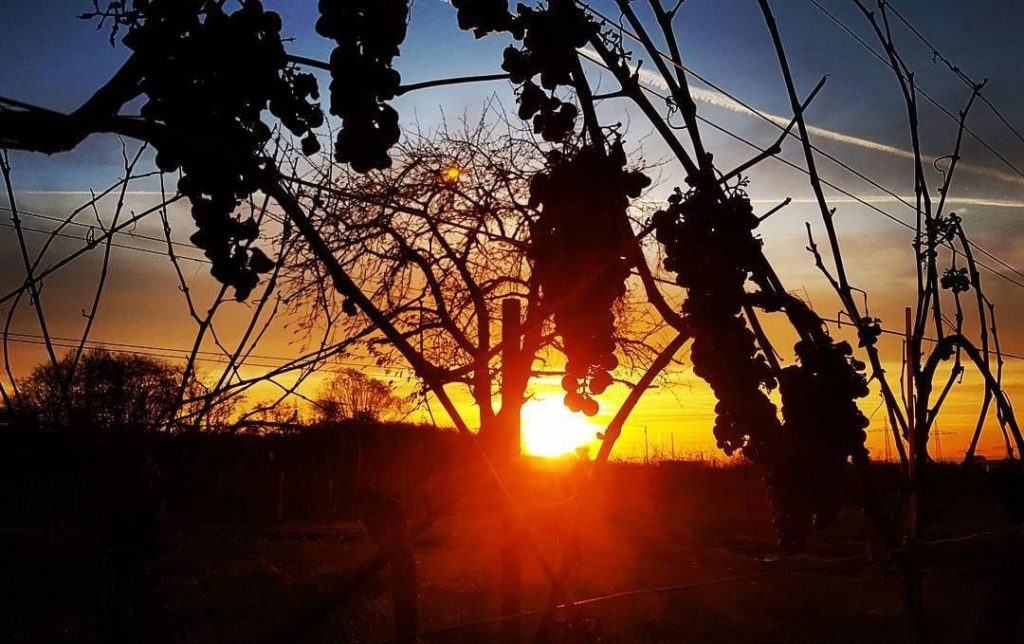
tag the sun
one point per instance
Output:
(549, 429)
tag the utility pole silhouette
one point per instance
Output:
(888, 438)
(938, 440)
(647, 456)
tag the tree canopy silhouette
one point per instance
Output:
(108, 392)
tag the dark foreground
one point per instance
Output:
(255, 578)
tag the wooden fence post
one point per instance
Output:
(383, 515)
(509, 452)
(279, 506)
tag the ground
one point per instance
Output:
(231, 583)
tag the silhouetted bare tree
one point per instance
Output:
(352, 395)
(439, 241)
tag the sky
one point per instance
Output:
(858, 117)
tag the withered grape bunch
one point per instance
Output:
(207, 75)
(579, 246)
(368, 34)
(550, 37)
(709, 243)
(483, 16)
(868, 331)
(823, 428)
(710, 246)
(956, 280)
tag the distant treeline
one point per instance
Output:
(94, 479)
(126, 485)
(135, 484)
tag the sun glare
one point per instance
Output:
(452, 174)
(549, 429)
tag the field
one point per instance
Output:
(664, 524)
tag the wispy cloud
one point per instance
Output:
(717, 99)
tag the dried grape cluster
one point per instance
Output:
(483, 16)
(956, 280)
(578, 246)
(550, 37)
(823, 426)
(868, 332)
(210, 74)
(368, 34)
(710, 245)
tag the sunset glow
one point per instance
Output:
(549, 429)
(486, 321)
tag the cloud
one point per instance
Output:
(717, 99)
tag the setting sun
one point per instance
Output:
(549, 429)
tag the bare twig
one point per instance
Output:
(129, 166)
(5, 169)
(840, 282)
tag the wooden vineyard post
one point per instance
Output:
(279, 505)
(508, 446)
(384, 517)
(915, 608)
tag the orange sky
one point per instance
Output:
(858, 117)
(143, 307)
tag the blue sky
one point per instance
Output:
(61, 59)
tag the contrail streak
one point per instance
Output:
(1009, 204)
(717, 99)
